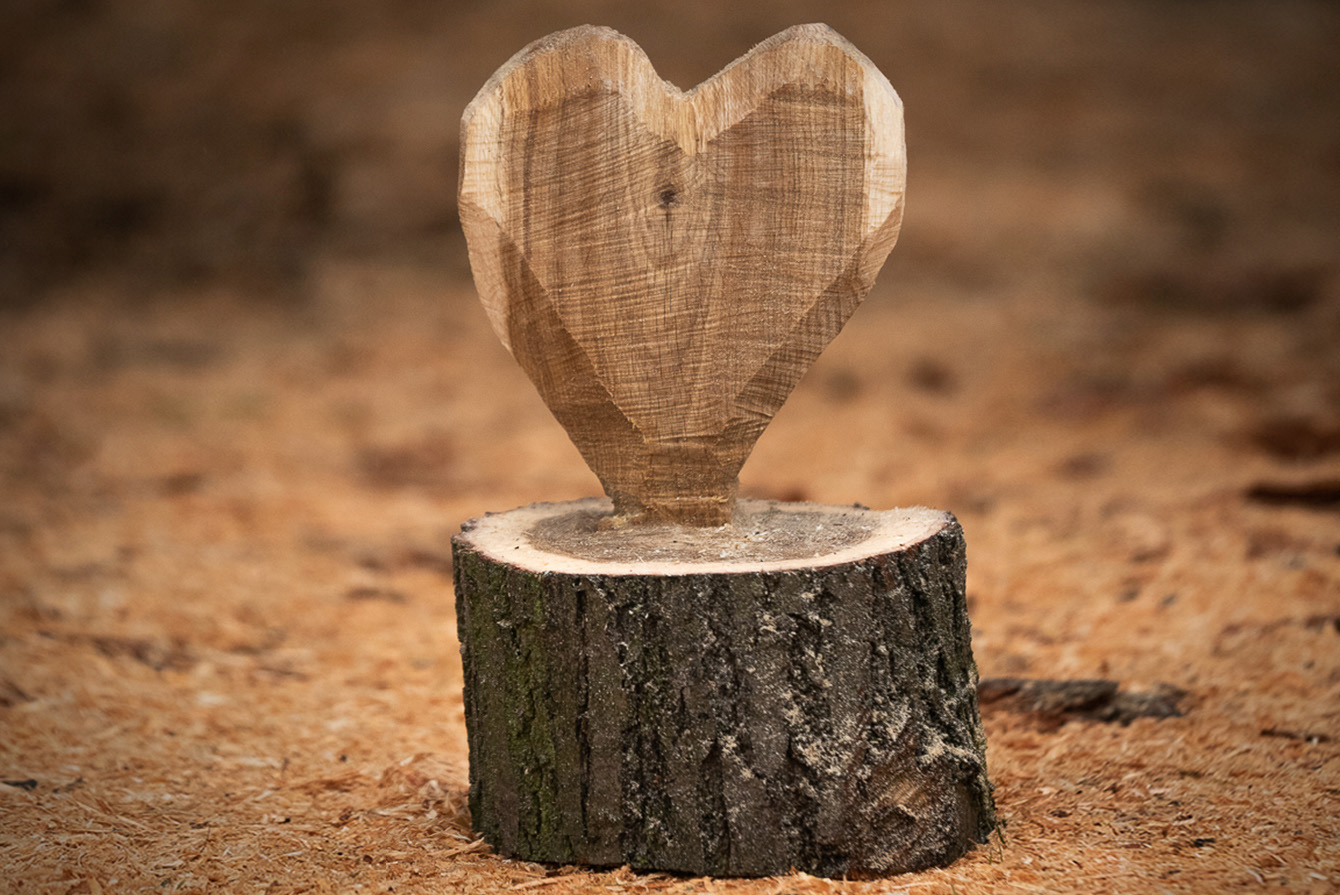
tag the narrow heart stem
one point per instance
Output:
(685, 483)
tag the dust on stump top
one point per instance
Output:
(575, 538)
(665, 265)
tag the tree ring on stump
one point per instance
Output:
(795, 690)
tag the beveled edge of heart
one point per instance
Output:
(691, 118)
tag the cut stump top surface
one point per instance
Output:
(575, 538)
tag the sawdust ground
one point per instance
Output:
(227, 653)
(229, 659)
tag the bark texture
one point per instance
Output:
(741, 723)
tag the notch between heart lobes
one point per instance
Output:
(666, 265)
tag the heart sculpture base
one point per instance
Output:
(795, 691)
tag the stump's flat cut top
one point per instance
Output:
(576, 537)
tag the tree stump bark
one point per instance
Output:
(792, 691)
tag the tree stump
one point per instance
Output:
(795, 690)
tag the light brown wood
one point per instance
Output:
(665, 265)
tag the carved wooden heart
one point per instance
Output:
(664, 265)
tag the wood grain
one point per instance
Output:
(666, 265)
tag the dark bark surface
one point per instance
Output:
(744, 723)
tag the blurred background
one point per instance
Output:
(229, 248)
(239, 220)
(1167, 148)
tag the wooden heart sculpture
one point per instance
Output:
(665, 265)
